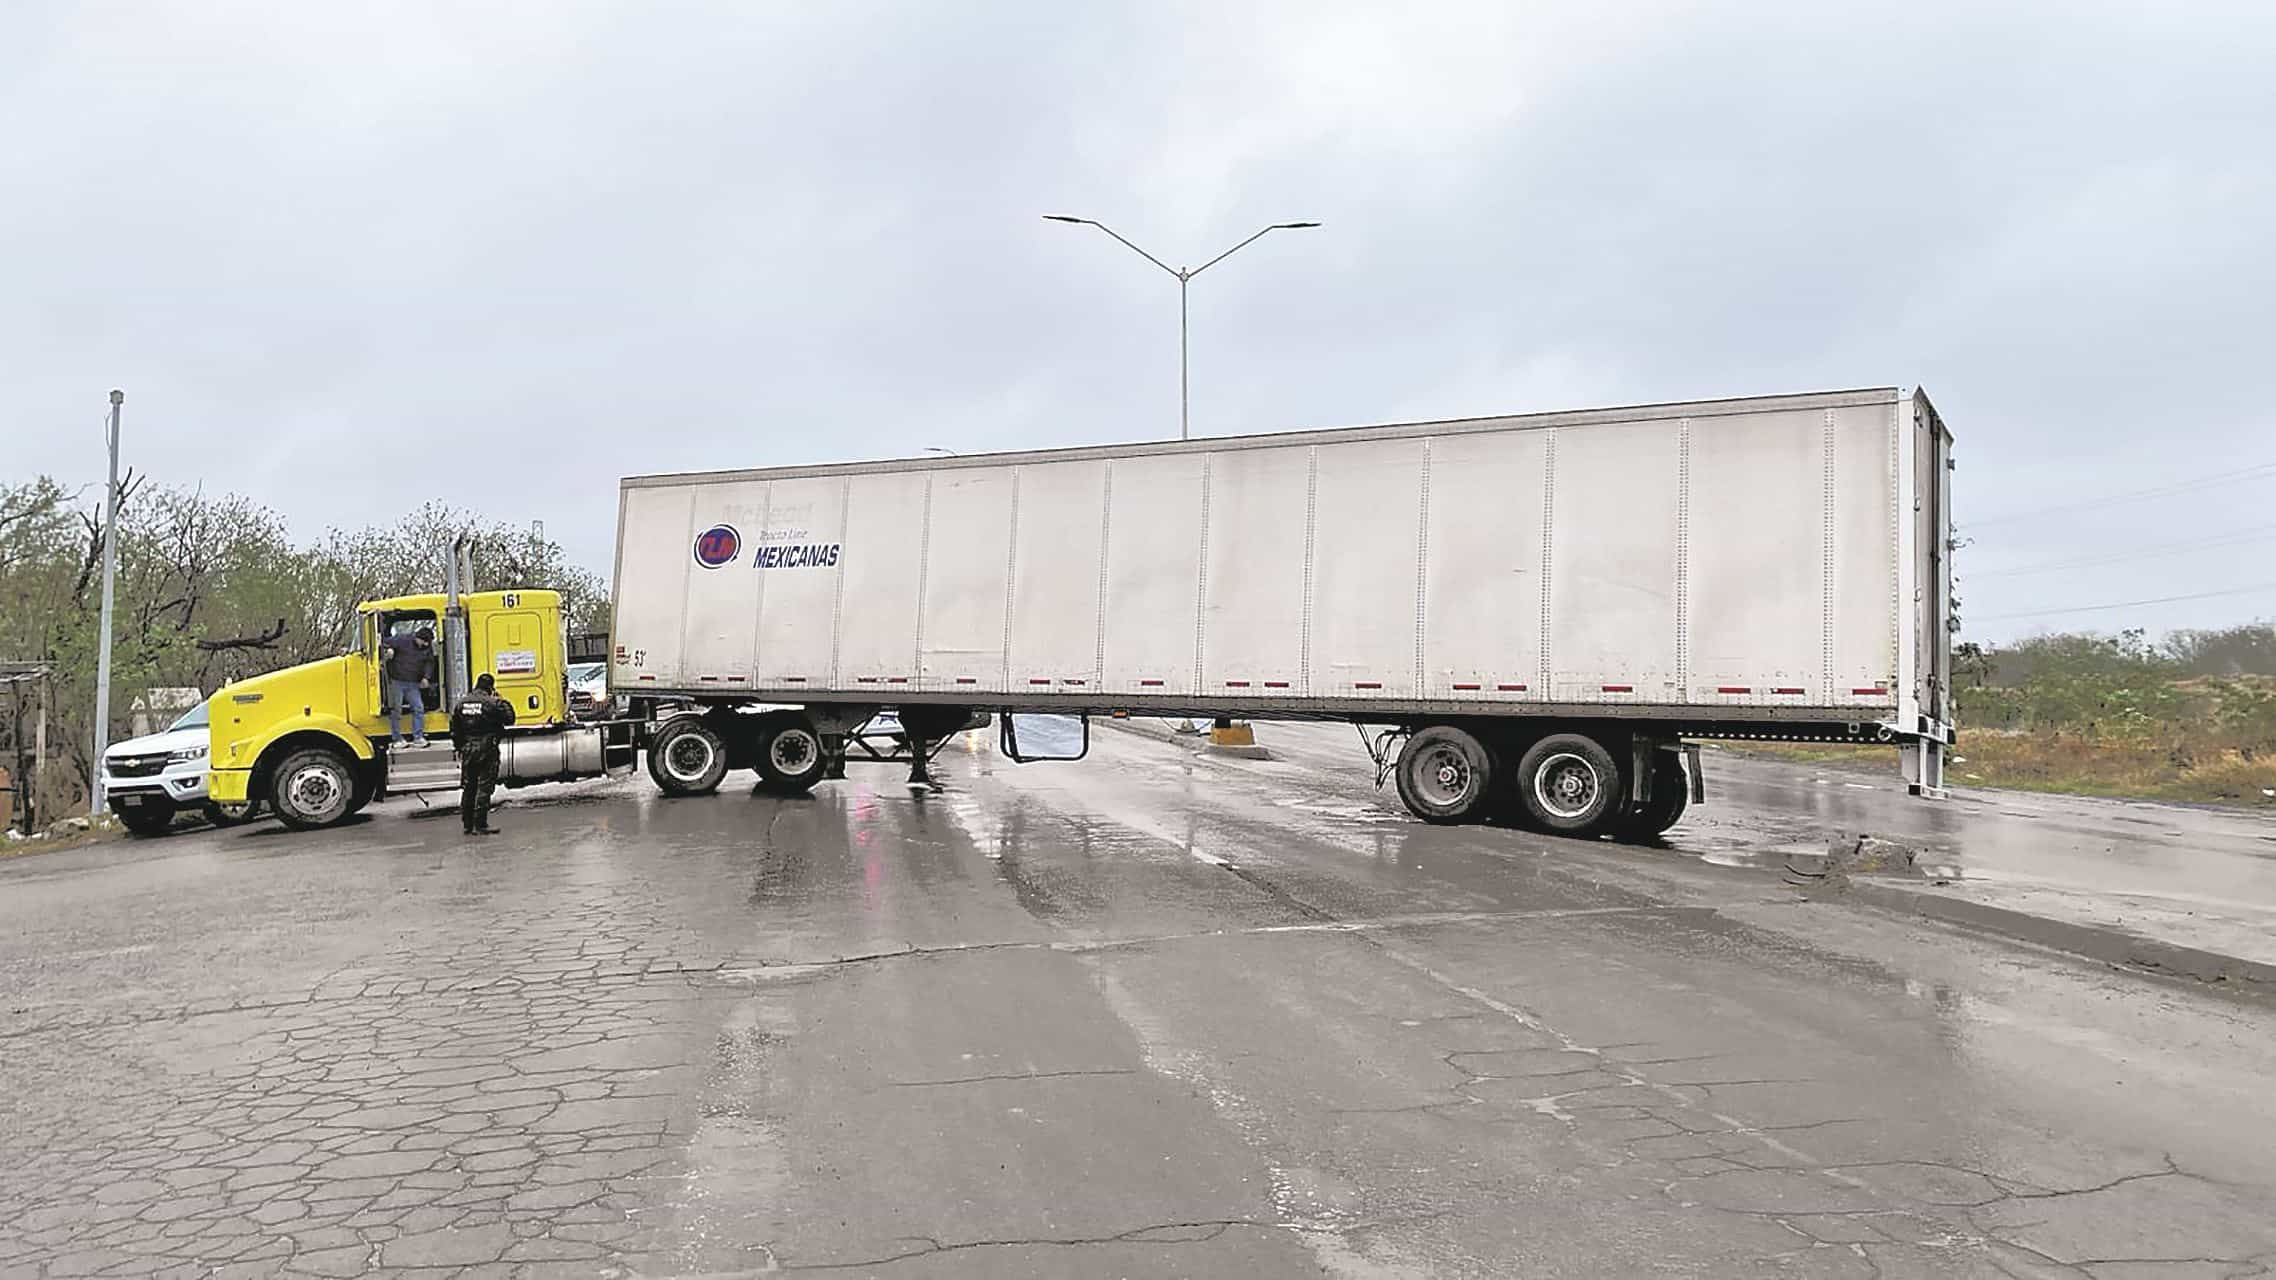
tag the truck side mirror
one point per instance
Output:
(1026, 739)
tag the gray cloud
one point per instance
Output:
(538, 247)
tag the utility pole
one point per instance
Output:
(103, 651)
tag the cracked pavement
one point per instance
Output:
(1157, 1014)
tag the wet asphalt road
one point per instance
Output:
(1157, 1014)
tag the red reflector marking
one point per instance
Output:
(1869, 692)
(737, 679)
(1276, 684)
(1366, 684)
(1618, 688)
(1150, 683)
(1468, 686)
(793, 679)
(1038, 680)
(711, 679)
(1733, 688)
(897, 680)
(1236, 684)
(1788, 691)
(1510, 688)
(967, 680)
(1071, 682)
(647, 677)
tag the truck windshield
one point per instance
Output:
(194, 718)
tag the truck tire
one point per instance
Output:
(1570, 785)
(148, 820)
(687, 757)
(311, 788)
(791, 758)
(1445, 775)
(1671, 795)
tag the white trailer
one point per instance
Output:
(1539, 609)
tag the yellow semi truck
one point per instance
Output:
(310, 742)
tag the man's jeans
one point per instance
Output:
(406, 695)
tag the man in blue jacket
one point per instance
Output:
(408, 663)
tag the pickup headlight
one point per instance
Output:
(185, 755)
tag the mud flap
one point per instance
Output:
(1923, 760)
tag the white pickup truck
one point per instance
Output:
(148, 780)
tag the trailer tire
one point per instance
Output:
(1671, 795)
(1445, 775)
(791, 756)
(1570, 785)
(687, 757)
(312, 788)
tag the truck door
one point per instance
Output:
(512, 649)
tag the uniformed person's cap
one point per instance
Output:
(485, 683)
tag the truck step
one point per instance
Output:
(428, 768)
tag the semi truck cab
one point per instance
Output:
(311, 741)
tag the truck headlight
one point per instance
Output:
(185, 755)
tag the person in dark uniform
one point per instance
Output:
(476, 725)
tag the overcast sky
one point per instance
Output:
(345, 258)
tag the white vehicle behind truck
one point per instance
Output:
(1539, 613)
(147, 780)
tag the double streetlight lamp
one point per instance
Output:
(1184, 276)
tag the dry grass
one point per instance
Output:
(2075, 764)
(55, 841)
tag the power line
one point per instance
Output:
(2254, 534)
(2128, 604)
(2130, 495)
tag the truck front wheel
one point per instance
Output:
(312, 788)
(1570, 785)
(1445, 774)
(687, 757)
(791, 759)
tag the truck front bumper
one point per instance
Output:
(228, 786)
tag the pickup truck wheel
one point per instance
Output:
(791, 759)
(1671, 795)
(148, 820)
(312, 788)
(230, 815)
(687, 757)
(1445, 775)
(1570, 785)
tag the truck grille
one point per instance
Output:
(137, 766)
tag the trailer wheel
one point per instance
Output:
(312, 788)
(1570, 784)
(1445, 774)
(687, 757)
(791, 758)
(1671, 795)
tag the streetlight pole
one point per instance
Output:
(103, 649)
(1184, 276)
